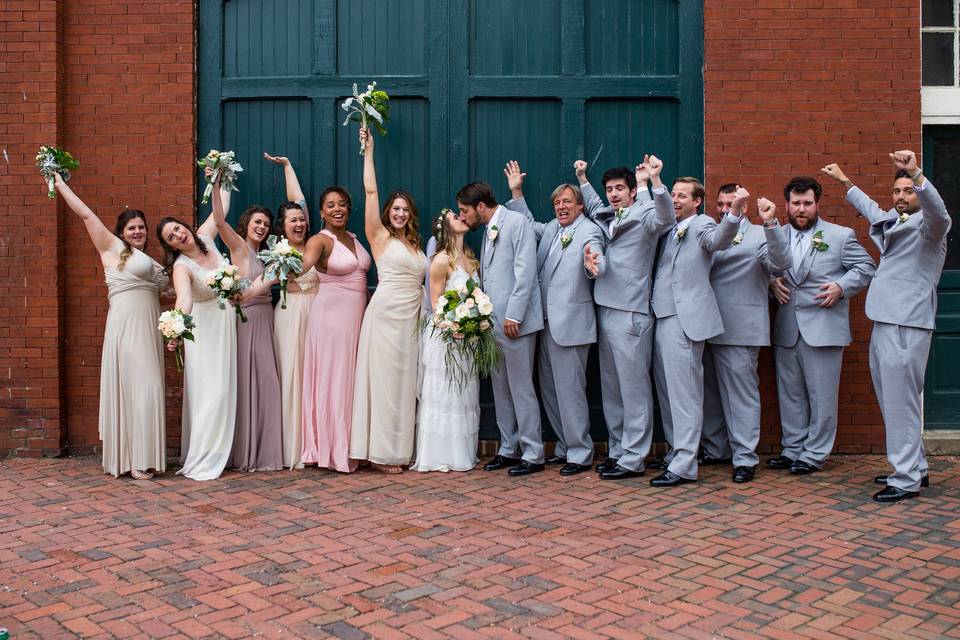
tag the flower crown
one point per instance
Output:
(438, 225)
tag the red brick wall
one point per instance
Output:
(787, 90)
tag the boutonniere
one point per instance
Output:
(622, 213)
(565, 239)
(492, 233)
(737, 239)
(680, 233)
(817, 242)
(903, 217)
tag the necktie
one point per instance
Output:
(797, 252)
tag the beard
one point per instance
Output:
(807, 223)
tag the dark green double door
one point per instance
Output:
(474, 83)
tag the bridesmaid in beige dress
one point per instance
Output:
(385, 391)
(132, 425)
(290, 324)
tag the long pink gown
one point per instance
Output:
(330, 356)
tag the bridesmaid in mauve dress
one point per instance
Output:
(332, 334)
(132, 425)
(385, 393)
(290, 324)
(257, 437)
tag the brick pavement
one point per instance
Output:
(479, 555)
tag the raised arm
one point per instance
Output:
(318, 247)
(209, 226)
(181, 284)
(720, 236)
(103, 240)
(377, 234)
(592, 204)
(936, 220)
(857, 198)
(773, 254)
(237, 245)
(663, 216)
(294, 192)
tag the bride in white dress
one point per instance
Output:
(448, 418)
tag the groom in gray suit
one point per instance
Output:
(507, 262)
(902, 302)
(631, 229)
(812, 326)
(570, 321)
(687, 315)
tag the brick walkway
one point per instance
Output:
(479, 555)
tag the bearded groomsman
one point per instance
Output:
(631, 228)
(507, 274)
(902, 302)
(687, 315)
(570, 321)
(812, 326)
(740, 277)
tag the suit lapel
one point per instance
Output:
(544, 249)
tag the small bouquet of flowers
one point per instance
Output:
(279, 260)
(224, 166)
(52, 161)
(176, 326)
(227, 284)
(463, 319)
(371, 105)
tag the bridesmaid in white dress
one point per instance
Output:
(209, 374)
(448, 418)
(132, 425)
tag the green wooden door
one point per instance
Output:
(941, 397)
(474, 83)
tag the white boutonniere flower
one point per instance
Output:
(903, 217)
(565, 239)
(817, 243)
(492, 233)
(622, 213)
(680, 233)
(737, 239)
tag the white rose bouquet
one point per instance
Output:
(371, 106)
(176, 326)
(51, 161)
(280, 260)
(227, 283)
(224, 166)
(464, 320)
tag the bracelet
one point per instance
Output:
(917, 174)
(771, 224)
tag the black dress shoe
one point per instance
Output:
(744, 474)
(619, 473)
(606, 465)
(707, 460)
(657, 463)
(526, 468)
(669, 479)
(780, 462)
(500, 462)
(572, 468)
(893, 494)
(801, 468)
(882, 480)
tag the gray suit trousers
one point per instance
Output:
(515, 400)
(625, 342)
(739, 386)
(808, 383)
(563, 379)
(713, 441)
(898, 361)
(678, 366)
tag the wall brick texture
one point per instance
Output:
(788, 87)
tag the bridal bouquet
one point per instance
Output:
(279, 260)
(371, 105)
(224, 166)
(52, 161)
(463, 318)
(176, 326)
(227, 283)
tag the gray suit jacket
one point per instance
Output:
(845, 262)
(904, 289)
(740, 277)
(626, 270)
(507, 273)
(696, 304)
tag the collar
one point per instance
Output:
(495, 218)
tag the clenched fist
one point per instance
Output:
(580, 169)
(767, 210)
(833, 170)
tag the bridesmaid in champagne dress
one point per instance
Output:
(209, 372)
(132, 425)
(385, 393)
(290, 324)
(258, 436)
(332, 335)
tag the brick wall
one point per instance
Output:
(788, 90)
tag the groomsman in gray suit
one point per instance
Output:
(687, 315)
(740, 278)
(621, 292)
(902, 302)
(570, 321)
(507, 274)
(812, 326)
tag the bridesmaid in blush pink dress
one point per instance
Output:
(333, 331)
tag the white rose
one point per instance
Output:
(485, 307)
(178, 326)
(227, 283)
(230, 269)
(484, 325)
(441, 302)
(461, 312)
